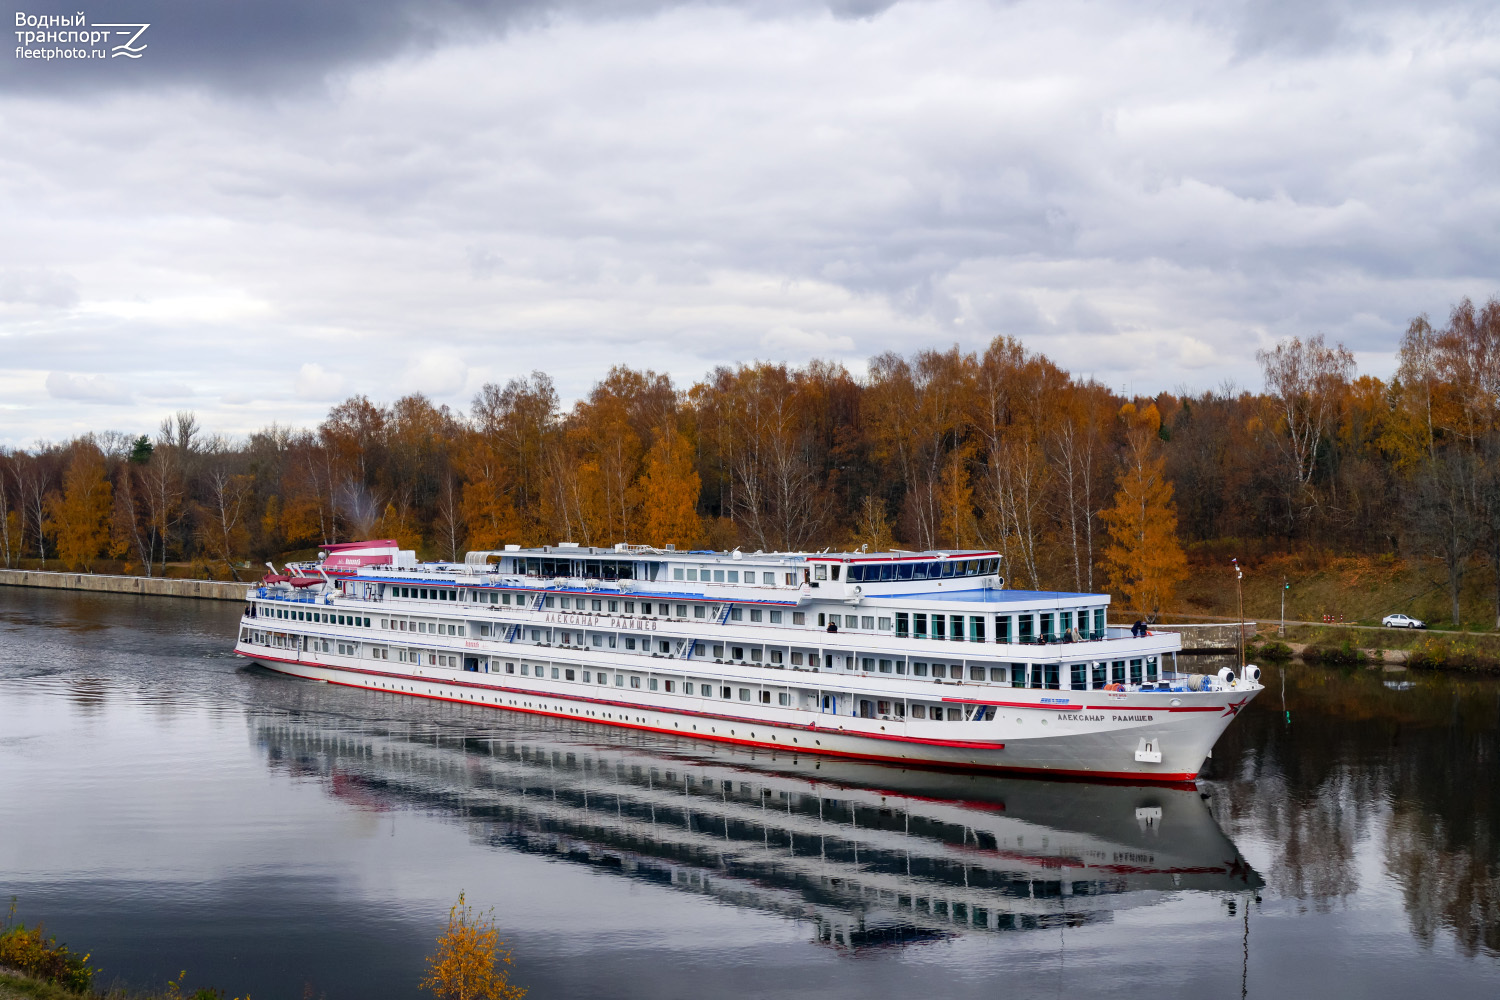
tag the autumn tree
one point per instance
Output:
(78, 517)
(1144, 560)
(872, 530)
(464, 965)
(668, 492)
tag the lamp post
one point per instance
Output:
(1239, 589)
(1285, 586)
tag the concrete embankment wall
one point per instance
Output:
(212, 590)
(1209, 638)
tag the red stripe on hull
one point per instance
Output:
(1127, 777)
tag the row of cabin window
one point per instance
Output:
(430, 628)
(875, 708)
(773, 615)
(942, 570)
(1081, 676)
(303, 615)
(767, 579)
(868, 622)
(669, 685)
(1054, 625)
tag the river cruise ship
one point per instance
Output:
(904, 657)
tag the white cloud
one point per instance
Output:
(1143, 192)
(438, 374)
(86, 388)
(313, 383)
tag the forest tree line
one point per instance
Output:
(1077, 487)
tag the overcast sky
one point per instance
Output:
(284, 203)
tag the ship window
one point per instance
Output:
(1135, 671)
(919, 711)
(736, 614)
(549, 602)
(776, 656)
(662, 646)
(718, 576)
(706, 690)
(796, 659)
(604, 678)
(919, 625)
(756, 614)
(775, 617)
(671, 686)
(976, 673)
(1018, 675)
(956, 633)
(783, 698)
(997, 675)
(635, 682)
(903, 571)
(1099, 623)
(1002, 628)
(677, 573)
(692, 574)
(1079, 675)
(1053, 678)
(699, 611)
(976, 628)
(939, 670)
(734, 576)
(835, 572)
(947, 570)
(769, 579)
(554, 673)
(851, 621)
(822, 620)
(614, 606)
(646, 608)
(867, 621)
(510, 668)
(568, 674)
(718, 652)
(1065, 622)
(1047, 634)
(919, 669)
(955, 715)
(619, 680)
(598, 640)
(885, 624)
(799, 618)
(525, 669)
(820, 572)
(744, 694)
(736, 652)
(726, 693)
(1151, 669)
(630, 607)
(1100, 675)
(765, 697)
(885, 666)
(939, 627)
(682, 611)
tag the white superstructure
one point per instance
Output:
(916, 657)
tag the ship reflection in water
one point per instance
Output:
(871, 856)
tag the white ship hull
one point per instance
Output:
(1150, 736)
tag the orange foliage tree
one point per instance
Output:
(1144, 560)
(78, 518)
(463, 967)
(668, 492)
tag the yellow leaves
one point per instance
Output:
(667, 492)
(463, 967)
(78, 518)
(396, 522)
(1144, 559)
(871, 529)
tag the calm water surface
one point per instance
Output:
(168, 807)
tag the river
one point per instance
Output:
(165, 806)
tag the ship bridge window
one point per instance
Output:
(718, 576)
(835, 572)
(904, 571)
(820, 572)
(734, 576)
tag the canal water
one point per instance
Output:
(167, 807)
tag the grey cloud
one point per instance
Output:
(1127, 188)
(38, 287)
(86, 388)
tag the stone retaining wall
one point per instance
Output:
(1215, 638)
(212, 590)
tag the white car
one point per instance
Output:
(1402, 621)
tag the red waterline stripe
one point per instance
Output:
(628, 706)
(1123, 777)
